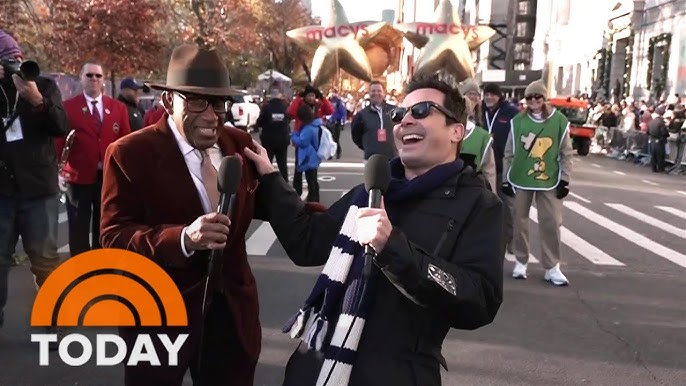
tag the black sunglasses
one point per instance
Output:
(90, 75)
(535, 96)
(419, 110)
(198, 103)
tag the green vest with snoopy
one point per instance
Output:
(535, 163)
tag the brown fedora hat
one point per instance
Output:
(196, 70)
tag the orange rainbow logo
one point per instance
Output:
(107, 288)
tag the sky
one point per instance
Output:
(357, 10)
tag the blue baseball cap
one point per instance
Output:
(130, 83)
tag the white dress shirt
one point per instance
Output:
(89, 103)
(193, 159)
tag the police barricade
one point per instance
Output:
(672, 149)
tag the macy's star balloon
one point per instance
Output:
(339, 44)
(445, 43)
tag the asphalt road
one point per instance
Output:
(621, 322)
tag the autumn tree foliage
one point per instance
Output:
(122, 35)
(24, 20)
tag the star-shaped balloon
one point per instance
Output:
(445, 43)
(338, 43)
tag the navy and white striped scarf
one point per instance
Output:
(338, 289)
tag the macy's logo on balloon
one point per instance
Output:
(109, 288)
(337, 31)
(445, 29)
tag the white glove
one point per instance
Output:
(62, 183)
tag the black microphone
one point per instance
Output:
(377, 176)
(228, 179)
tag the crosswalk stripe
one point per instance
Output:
(681, 192)
(650, 182)
(626, 233)
(618, 172)
(674, 211)
(581, 246)
(649, 220)
(260, 240)
(511, 258)
(579, 197)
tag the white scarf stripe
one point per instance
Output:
(341, 330)
(340, 375)
(338, 265)
(349, 224)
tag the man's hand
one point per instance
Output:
(27, 90)
(373, 227)
(260, 158)
(209, 231)
(562, 189)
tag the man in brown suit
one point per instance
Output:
(159, 199)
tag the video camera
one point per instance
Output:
(27, 70)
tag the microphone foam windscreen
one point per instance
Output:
(377, 173)
(229, 175)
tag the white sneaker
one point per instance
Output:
(555, 276)
(519, 271)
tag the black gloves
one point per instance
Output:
(507, 189)
(562, 189)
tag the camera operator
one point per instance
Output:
(32, 114)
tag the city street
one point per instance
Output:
(621, 322)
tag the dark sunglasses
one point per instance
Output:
(419, 110)
(535, 96)
(90, 75)
(198, 103)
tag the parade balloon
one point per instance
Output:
(339, 44)
(445, 43)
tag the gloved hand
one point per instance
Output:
(507, 189)
(562, 189)
(62, 184)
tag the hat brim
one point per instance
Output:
(210, 91)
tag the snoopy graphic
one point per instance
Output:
(537, 147)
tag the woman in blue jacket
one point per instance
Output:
(307, 141)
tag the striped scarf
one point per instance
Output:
(338, 289)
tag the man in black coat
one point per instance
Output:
(129, 95)
(275, 131)
(32, 115)
(658, 132)
(497, 114)
(437, 261)
(371, 129)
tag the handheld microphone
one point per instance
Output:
(377, 176)
(228, 179)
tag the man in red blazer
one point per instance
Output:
(97, 121)
(160, 200)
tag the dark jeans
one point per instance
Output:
(657, 152)
(507, 203)
(312, 186)
(280, 152)
(83, 212)
(336, 134)
(35, 220)
(297, 176)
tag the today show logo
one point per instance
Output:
(109, 288)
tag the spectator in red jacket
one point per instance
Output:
(154, 114)
(321, 108)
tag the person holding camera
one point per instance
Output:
(32, 115)
(321, 107)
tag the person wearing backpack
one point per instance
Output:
(307, 141)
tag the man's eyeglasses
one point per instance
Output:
(419, 110)
(90, 75)
(535, 96)
(198, 104)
